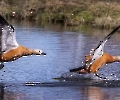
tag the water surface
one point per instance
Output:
(65, 48)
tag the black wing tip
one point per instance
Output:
(73, 70)
(3, 22)
(118, 26)
(114, 30)
(108, 36)
(76, 69)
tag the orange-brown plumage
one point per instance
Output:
(16, 53)
(100, 62)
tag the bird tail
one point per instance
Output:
(76, 69)
(80, 70)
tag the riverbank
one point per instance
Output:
(98, 13)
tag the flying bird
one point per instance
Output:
(10, 50)
(97, 58)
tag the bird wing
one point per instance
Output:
(98, 51)
(7, 36)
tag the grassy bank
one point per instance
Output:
(98, 13)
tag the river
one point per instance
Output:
(65, 48)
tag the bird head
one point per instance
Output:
(40, 52)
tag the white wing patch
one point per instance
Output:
(8, 39)
(96, 54)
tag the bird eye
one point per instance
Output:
(40, 51)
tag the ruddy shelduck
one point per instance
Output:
(97, 58)
(10, 50)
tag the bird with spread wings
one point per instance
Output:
(97, 57)
(10, 50)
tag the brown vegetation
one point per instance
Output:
(98, 13)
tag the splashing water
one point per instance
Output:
(90, 79)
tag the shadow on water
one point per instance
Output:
(73, 79)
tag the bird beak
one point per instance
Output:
(43, 53)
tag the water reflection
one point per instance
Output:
(13, 96)
(63, 92)
(93, 93)
(96, 93)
